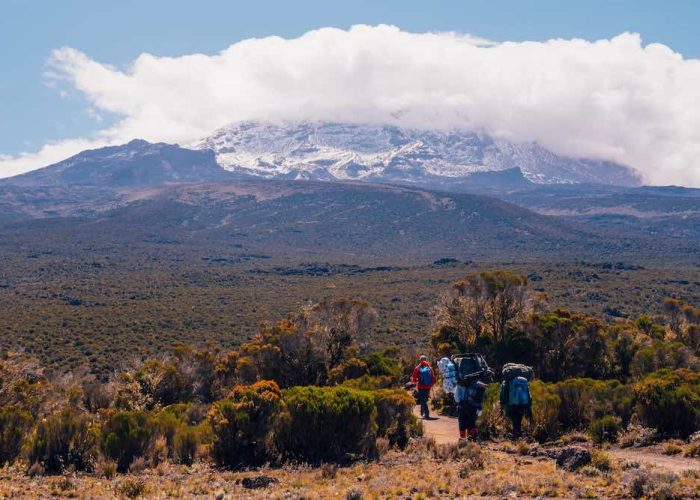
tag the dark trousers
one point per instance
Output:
(516, 417)
(466, 416)
(423, 395)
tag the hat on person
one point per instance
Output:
(424, 358)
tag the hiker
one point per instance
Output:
(469, 399)
(424, 378)
(515, 398)
(471, 371)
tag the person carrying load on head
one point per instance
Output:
(424, 378)
(471, 372)
(515, 397)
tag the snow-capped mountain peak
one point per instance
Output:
(382, 153)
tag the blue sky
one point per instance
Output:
(115, 33)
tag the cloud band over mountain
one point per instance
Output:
(614, 99)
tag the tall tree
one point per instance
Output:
(485, 304)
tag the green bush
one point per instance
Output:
(670, 402)
(65, 438)
(662, 354)
(328, 424)
(14, 424)
(605, 429)
(185, 443)
(584, 400)
(349, 369)
(369, 383)
(545, 411)
(125, 436)
(164, 383)
(395, 419)
(243, 425)
(178, 425)
(491, 423)
(383, 364)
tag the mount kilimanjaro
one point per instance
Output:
(341, 151)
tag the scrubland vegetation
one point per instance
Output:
(305, 408)
(121, 303)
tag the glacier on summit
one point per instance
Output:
(386, 153)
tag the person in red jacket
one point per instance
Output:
(424, 378)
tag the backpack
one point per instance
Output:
(425, 375)
(449, 374)
(475, 393)
(469, 367)
(519, 392)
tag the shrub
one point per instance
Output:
(673, 447)
(125, 436)
(107, 469)
(185, 445)
(96, 395)
(354, 494)
(383, 364)
(661, 354)
(164, 383)
(492, 422)
(14, 424)
(348, 369)
(22, 382)
(545, 411)
(369, 383)
(328, 423)
(243, 425)
(637, 435)
(605, 429)
(63, 439)
(395, 419)
(693, 448)
(576, 402)
(670, 402)
(132, 488)
(601, 461)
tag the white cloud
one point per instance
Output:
(611, 99)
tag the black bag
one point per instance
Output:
(470, 367)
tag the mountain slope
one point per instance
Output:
(659, 212)
(136, 164)
(98, 180)
(338, 221)
(330, 151)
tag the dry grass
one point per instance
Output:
(425, 470)
(601, 461)
(674, 447)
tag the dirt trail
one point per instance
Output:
(647, 457)
(444, 430)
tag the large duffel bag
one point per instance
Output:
(512, 370)
(469, 367)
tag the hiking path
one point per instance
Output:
(444, 430)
